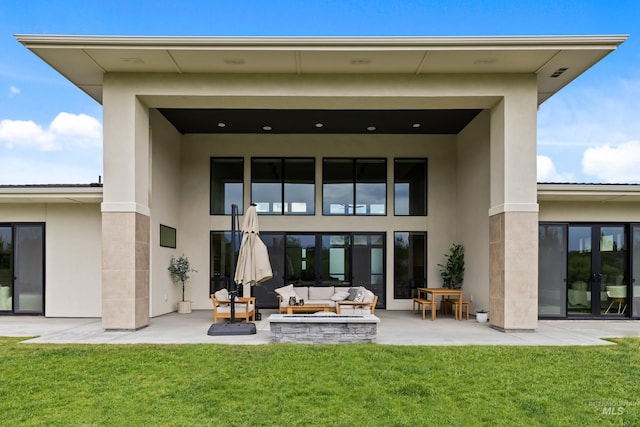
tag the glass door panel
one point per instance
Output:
(29, 269)
(368, 263)
(335, 260)
(612, 269)
(635, 265)
(6, 269)
(300, 263)
(552, 271)
(579, 271)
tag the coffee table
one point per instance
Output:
(307, 308)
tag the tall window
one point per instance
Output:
(410, 260)
(283, 186)
(227, 175)
(410, 186)
(354, 187)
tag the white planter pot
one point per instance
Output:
(482, 317)
(184, 307)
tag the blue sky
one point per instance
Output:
(50, 131)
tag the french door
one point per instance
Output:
(22, 268)
(598, 271)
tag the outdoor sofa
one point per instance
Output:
(341, 299)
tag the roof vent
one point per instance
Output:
(559, 71)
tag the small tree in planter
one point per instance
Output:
(452, 272)
(180, 269)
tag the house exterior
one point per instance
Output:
(367, 159)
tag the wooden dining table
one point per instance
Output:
(434, 293)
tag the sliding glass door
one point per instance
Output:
(6, 268)
(635, 265)
(552, 259)
(22, 268)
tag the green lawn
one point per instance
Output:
(328, 385)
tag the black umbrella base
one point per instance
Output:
(240, 328)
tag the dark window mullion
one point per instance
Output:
(354, 166)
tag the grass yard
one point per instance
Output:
(328, 385)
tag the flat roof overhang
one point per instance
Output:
(51, 193)
(555, 60)
(553, 192)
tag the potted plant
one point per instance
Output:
(180, 269)
(452, 272)
(482, 315)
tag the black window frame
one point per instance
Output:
(355, 161)
(226, 210)
(283, 181)
(426, 185)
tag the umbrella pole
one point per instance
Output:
(234, 291)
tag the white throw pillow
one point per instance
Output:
(221, 295)
(340, 296)
(287, 292)
(368, 296)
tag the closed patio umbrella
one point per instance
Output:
(253, 265)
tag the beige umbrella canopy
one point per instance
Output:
(253, 265)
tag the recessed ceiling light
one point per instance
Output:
(485, 61)
(371, 128)
(221, 125)
(416, 125)
(132, 60)
(266, 128)
(319, 125)
(234, 61)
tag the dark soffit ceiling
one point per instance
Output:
(442, 122)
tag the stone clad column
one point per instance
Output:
(513, 216)
(125, 210)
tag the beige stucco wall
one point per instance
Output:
(72, 254)
(589, 211)
(165, 202)
(473, 207)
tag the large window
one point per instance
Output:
(283, 186)
(227, 176)
(354, 187)
(410, 260)
(410, 186)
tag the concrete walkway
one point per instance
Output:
(395, 328)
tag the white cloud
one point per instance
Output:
(613, 163)
(26, 133)
(13, 91)
(65, 131)
(546, 171)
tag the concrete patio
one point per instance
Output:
(395, 328)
